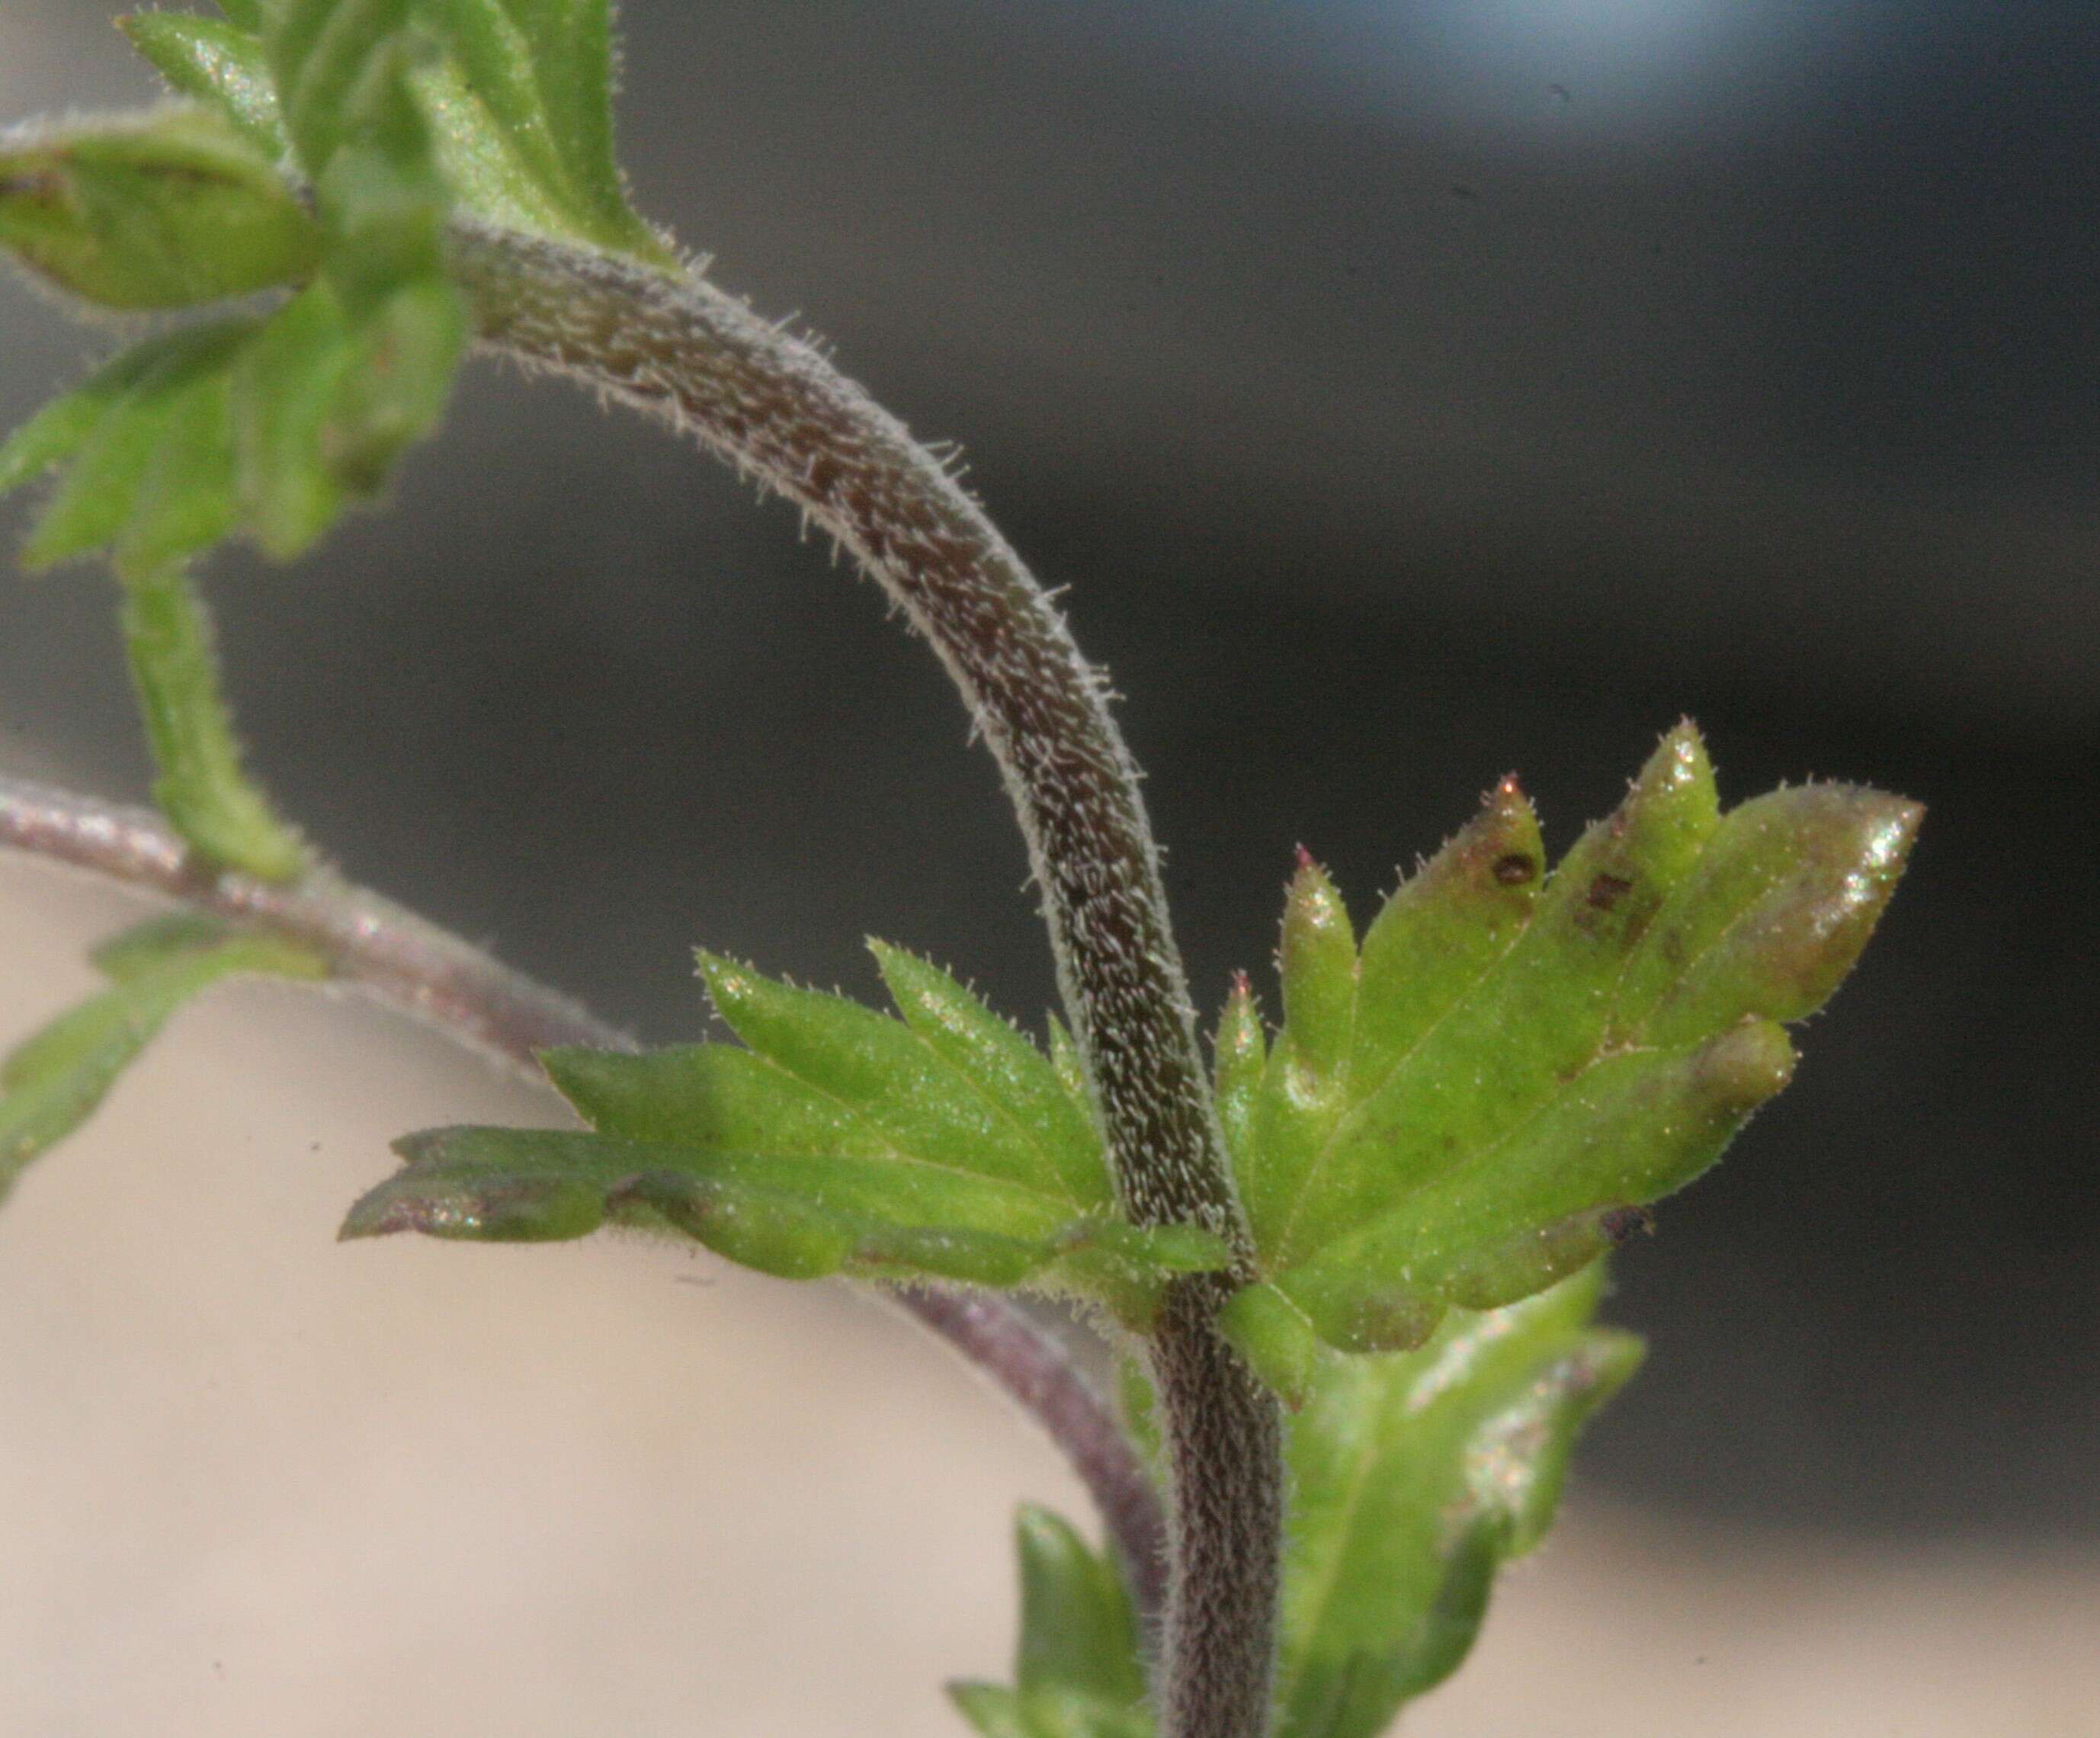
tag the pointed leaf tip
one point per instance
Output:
(1318, 964)
(1238, 1054)
(217, 62)
(1077, 1629)
(1789, 892)
(1533, 1059)
(1076, 1669)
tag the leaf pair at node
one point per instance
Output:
(1487, 1093)
(52, 1082)
(334, 142)
(940, 1144)
(1473, 1104)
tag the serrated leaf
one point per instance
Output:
(793, 1216)
(518, 93)
(1485, 1097)
(1005, 1067)
(150, 443)
(942, 1145)
(1414, 1475)
(161, 210)
(915, 1094)
(267, 426)
(53, 1081)
(524, 97)
(1078, 1671)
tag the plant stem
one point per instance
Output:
(412, 965)
(1037, 1372)
(774, 407)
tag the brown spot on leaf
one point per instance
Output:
(1607, 890)
(42, 185)
(1618, 1223)
(1514, 870)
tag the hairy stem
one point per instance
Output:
(412, 965)
(1037, 1372)
(776, 408)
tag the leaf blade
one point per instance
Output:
(1529, 1066)
(54, 1080)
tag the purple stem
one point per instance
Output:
(412, 965)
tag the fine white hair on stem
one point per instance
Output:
(676, 347)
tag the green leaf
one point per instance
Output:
(943, 1144)
(523, 100)
(151, 445)
(931, 1099)
(398, 381)
(1076, 1625)
(1004, 1066)
(202, 788)
(331, 61)
(244, 14)
(395, 111)
(268, 427)
(162, 210)
(286, 384)
(1414, 1475)
(1486, 1095)
(518, 94)
(219, 63)
(1077, 1671)
(148, 448)
(53, 1081)
(1053, 1713)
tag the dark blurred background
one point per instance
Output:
(1408, 393)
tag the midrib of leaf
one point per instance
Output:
(324, 75)
(1330, 1574)
(523, 181)
(1350, 1118)
(1751, 908)
(1032, 1137)
(888, 1137)
(1482, 1155)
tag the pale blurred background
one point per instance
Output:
(1408, 393)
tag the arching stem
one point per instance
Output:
(774, 407)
